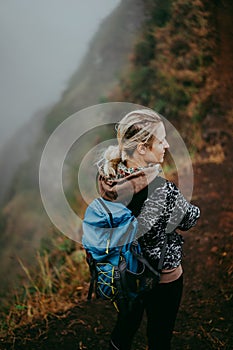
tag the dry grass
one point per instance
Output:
(58, 284)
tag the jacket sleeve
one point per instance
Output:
(183, 215)
(166, 209)
(190, 218)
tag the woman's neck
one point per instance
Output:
(133, 163)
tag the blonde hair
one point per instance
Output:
(138, 126)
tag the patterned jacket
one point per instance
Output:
(159, 207)
(164, 211)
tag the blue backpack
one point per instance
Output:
(118, 269)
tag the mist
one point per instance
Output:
(42, 44)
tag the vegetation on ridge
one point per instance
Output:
(172, 65)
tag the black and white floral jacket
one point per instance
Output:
(163, 212)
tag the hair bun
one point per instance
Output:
(111, 160)
(112, 152)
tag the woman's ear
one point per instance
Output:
(141, 148)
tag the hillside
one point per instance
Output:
(181, 65)
(23, 219)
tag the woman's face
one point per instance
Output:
(155, 154)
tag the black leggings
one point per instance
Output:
(161, 305)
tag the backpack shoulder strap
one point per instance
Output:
(100, 200)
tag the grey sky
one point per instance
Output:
(41, 44)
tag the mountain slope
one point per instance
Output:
(205, 318)
(23, 219)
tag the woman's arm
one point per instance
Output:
(167, 209)
(183, 215)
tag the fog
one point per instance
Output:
(42, 43)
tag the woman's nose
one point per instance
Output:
(166, 144)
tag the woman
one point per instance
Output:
(129, 173)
